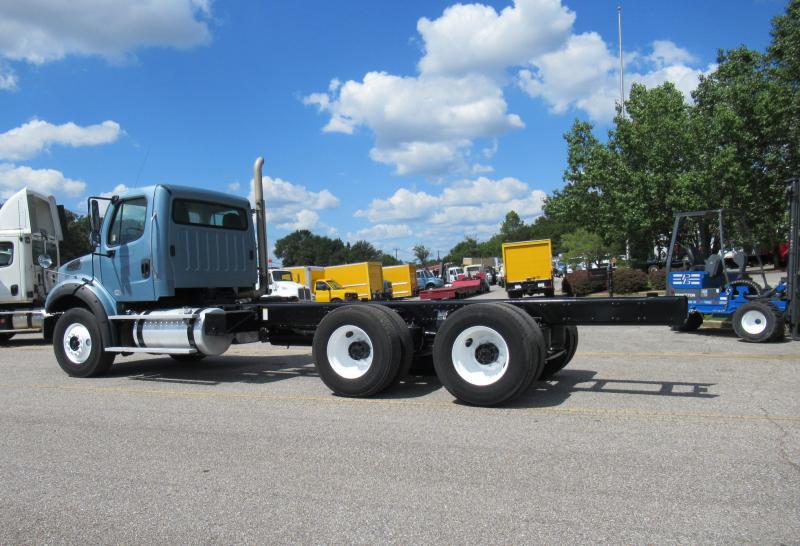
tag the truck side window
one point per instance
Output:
(321, 286)
(6, 254)
(127, 223)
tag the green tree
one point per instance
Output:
(76, 238)
(467, 247)
(582, 245)
(422, 253)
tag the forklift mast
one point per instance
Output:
(792, 273)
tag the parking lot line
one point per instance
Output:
(330, 399)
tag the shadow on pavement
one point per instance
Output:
(216, 370)
(213, 371)
(562, 385)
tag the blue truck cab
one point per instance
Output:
(160, 250)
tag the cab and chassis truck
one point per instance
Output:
(175, 271)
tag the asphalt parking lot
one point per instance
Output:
(648, 436)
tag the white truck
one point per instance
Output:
(30, 234)
(282, 285)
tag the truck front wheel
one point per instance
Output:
(78, 345)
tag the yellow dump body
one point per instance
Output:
(403, 279)
(305, 274)
(528, 260)
(366, 278)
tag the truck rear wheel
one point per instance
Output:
(562, 356)
(78, 345)
(357, 350)
(756, 322)
(406, 342)
(5, 337)
(485, 354)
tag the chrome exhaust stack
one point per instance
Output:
(261, 227)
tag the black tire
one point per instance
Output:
(429, 286)
(757, 322)
(550, 292)
(561, 356)
(406, 342)
(5, 337)
(336, 300)
(499, 367)
(780, 326)
(193, 357)
(78, 330)
(693, 321)
(753, 288)
(374, 338)
(539, 347)
(514, 294)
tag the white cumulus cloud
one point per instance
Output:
(8, 78)
(474, 38)
(33, 137)
(464, 203)
(48, 181)
(584, 74)
(292, 206)
(421, 124)
(428, 123)
(39, 31)
(381, 232)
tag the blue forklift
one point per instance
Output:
(713, 262)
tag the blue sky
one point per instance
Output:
(396, 122)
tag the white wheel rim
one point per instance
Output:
(77, 343)
(480, 355)
(350, 351)
(754, 322)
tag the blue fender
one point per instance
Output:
(92, 296)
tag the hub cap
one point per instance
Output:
(754, 322)
(350, 351)
(480, 355)
(77, 343)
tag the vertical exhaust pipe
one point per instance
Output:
(261, 227)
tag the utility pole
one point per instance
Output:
(395, 252)
(621, 64)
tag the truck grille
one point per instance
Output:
(305, 294)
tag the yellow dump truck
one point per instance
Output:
(305, 274)
(403, 278)
(528, 268)
(365, 278)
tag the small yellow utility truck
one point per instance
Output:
(528, 268)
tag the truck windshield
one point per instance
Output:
(200, 213)
(281, 276)
(334, 285)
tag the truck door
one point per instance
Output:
(10, 271)
(126, 257)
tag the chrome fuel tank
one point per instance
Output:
(151, 333)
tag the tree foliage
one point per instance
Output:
(422, 253)
(302, 247)
(733, 146)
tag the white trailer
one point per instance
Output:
(30, 234)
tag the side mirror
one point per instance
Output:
(94, 217)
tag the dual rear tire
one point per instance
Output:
(484, 354)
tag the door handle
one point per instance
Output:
(145, 268)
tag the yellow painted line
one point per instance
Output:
(721, 356)
(331, 399)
